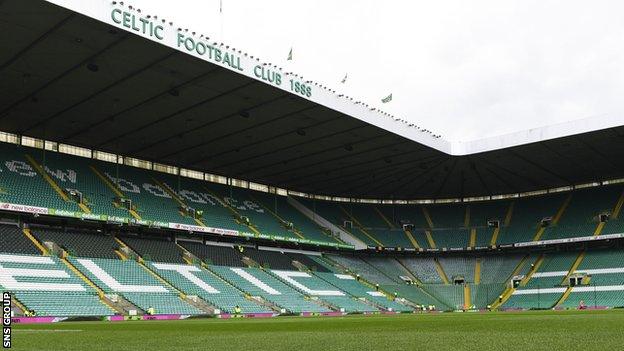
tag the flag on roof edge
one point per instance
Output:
(290, 55)
(344, 79)
(387, 99)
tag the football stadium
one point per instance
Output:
(159, 189)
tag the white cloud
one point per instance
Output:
(464, 69)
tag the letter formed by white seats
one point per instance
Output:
(156, 190)
(213, 200)
(114, 284)
(289, 275)
(8, 275)
(124, 185)
(255, 281)
(234, 203)
(601, 271)
(187, 272)
(253, 206)
(21, 168)
(539, 291)
(550, 274)
(59, 174)
(192, 196)
(595, 288)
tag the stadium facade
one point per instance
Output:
(147, 169)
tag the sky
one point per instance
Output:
(463, 69)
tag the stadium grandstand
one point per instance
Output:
(147, 171)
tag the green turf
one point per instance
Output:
(545, 330)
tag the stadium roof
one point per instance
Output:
(102, 75)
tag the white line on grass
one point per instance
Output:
(47, 330)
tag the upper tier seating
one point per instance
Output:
(280, 206)
(242, 201)
(581, 216)
(18, 175)
(366, 215)
(75, 173)
(482, 212)
(197, 195)
(451, 237)
(452, 223)
(404, 214)
(79, 243)
(375, 229)
(333, 212)
(160, 196)
(390, 237)
(150, 200)
(447, 216)
(527, 215)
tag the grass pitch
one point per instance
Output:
(545, 330)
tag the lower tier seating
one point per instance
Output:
(65, 304)
(165, 303)
(133, 282)
(214, 255)
(12, 239)
(154, 249)
(415, 294)
(351, 286)
(47, 287)
(269, 259)
(312, 285)
(78, 243)
(450, 295)
(194, 280)
(424, 268)
(349, 304)
(368, 272)
(257, 282)
(313, 263)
